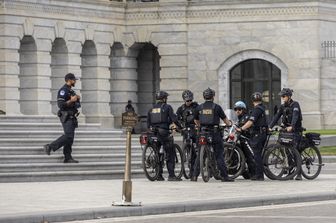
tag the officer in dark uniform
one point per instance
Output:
(69, 103)
(186, 116)
(257, 124)
(242, 114)
(291, 114)
(129, 107)
(160, 117)
(208, 116)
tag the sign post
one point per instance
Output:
(129, 120)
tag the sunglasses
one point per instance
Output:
(238, 109)
(189, 101)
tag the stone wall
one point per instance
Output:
(197, 43)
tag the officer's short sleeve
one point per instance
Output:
(256, 112)
(220, 112)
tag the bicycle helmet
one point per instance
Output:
(286, 92)
(208, 93)
(256, 96)
(239, 104)
(187, 95)
(160, 95)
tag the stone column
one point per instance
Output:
(9, 74)
(173, 74)
(99, 108)
(123, 81)
(43, 94)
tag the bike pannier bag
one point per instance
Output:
(286, 138)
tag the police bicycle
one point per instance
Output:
(281, 160)
(310, 155)
(208, 163)
(154, 155)
(189, 151)
(234, 157)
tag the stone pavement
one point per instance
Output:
(79, 200)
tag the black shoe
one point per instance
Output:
(227, 180)
(160, 178)
(298, 177)
(174, 179)
(193, 179)
(47, 149)
(71, 161)
(257, 178)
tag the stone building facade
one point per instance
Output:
(125, 50)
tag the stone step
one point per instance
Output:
(18, 159)
(48, 126)
(37, 150)
(106, 141)
(57, 167)
(66, 175)
(8, 134)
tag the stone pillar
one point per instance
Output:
(173, 74)
(43, 94)
(99, 109)
(74, 64)
(9, 74)
(123, 81)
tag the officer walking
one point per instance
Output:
(68, 103)
(186, 116)
(291, 114)
(241, 112)
(258, 127)
(208, 116)
(160, 117)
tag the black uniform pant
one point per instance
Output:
(249, 154)
(193, 138)
(167, 142)
(67, 139)
(257, 143)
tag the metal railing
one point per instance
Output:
(328, 49)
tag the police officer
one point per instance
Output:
(160, 117)
(257, 125)
(208, 116)
(242, 114)
(290, 112)
(68, 102)
(186, 116)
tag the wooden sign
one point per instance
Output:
(129, 119)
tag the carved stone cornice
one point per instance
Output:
(114, 11)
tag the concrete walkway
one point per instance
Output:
(79, 200)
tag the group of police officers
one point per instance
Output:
(253, 125)
(191, 115)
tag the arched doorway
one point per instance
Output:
(256, 75)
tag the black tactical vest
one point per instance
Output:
(207, 114)
(159, 114)
(261, 121)
(188, 114)
(288, 114)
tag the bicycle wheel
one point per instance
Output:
(150, 163)
(311, 162)
(282, 162)
(204, 163)
(179, 158)
(234, 160)
(187, 153)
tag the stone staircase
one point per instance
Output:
(101, 152)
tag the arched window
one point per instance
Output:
(256, 75)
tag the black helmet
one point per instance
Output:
(286, 92)
(187, 95)
(208, 94)
(256, 96)
(70, 76)
(160, 95)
